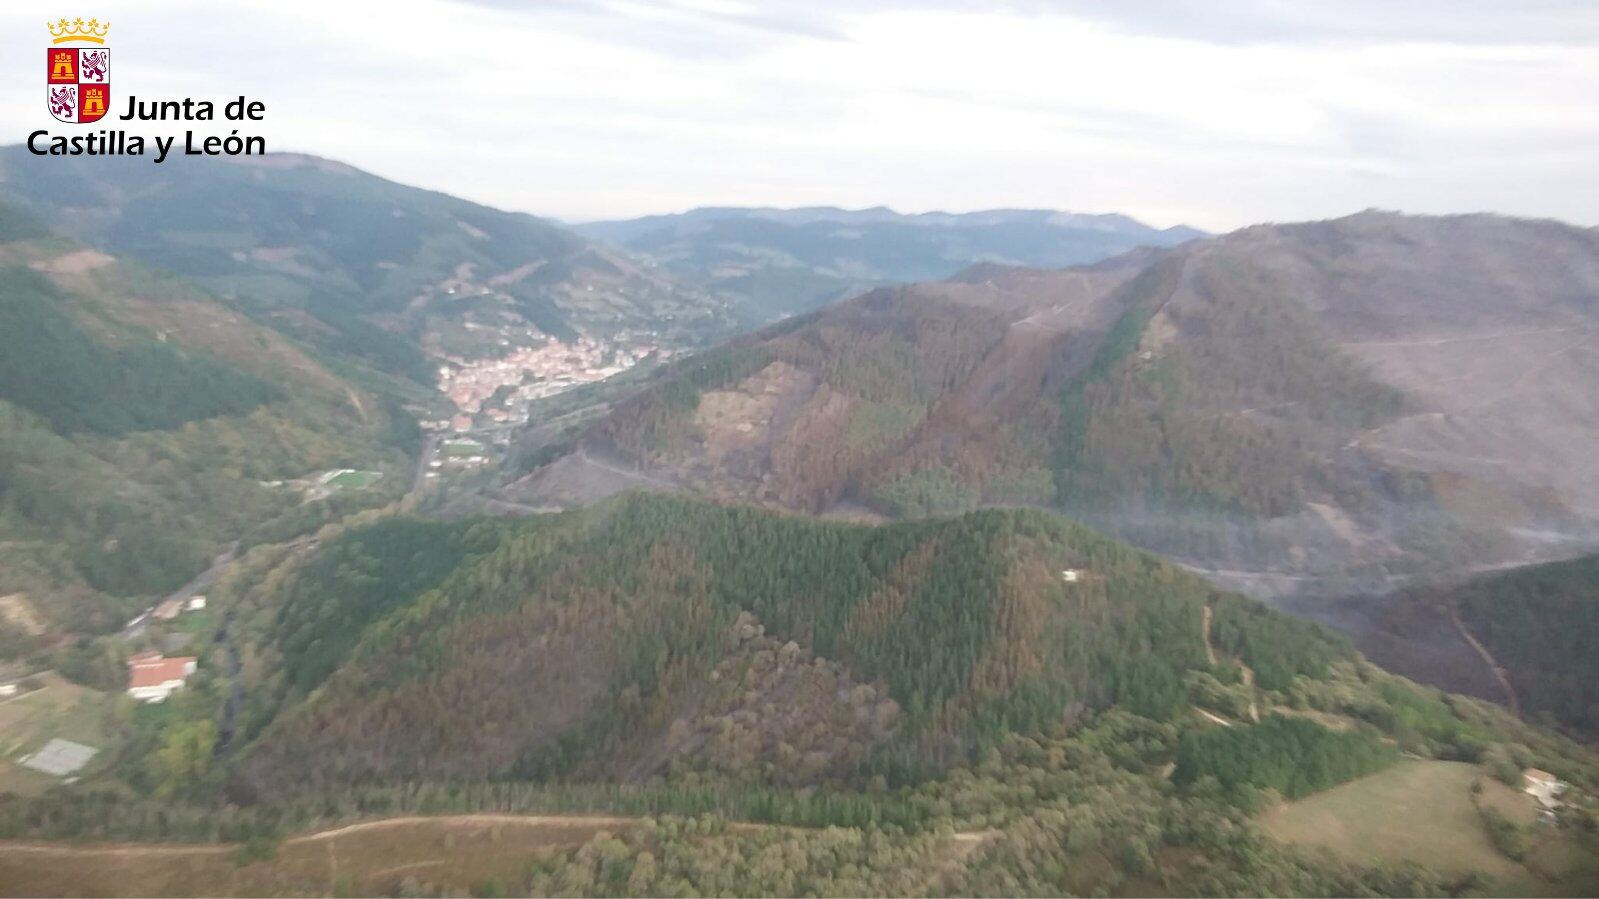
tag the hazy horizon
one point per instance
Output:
(589, 110)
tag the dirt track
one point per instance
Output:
(454, 851)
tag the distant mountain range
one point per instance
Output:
(868, 647)
(1295, 408)
(383, 276)
(329, 292)
(786, 261)
(357, 267)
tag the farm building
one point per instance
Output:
(152, 678)
(195, 604)
(1542, 786)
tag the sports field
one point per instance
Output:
(355, 480)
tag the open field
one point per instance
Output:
(61, 709)
(1420, 811)
(355, 480)
(372, 858)
(458, 854)
(24, 782)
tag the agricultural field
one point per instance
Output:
(371, 858)
(1425, 811)
(58, 710)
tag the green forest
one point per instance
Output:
(1152, 420)
(787, 705)
(50, 365)
(1293, 756)
(964, 622)
(1542, 624)
(142, 425)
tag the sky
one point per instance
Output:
(1213, 114)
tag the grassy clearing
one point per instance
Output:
(1420, 811)
(60, 709)
(22, 781)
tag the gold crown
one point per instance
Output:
(78, 30)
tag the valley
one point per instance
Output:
(521, 569)
(689, 448)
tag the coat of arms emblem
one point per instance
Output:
(78, 79)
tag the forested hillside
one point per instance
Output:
(1538, 623)
(997, 702)
(362, 270)
(142, 423)
(1302, 408)
(634, 618)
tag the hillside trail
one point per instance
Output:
(1245, 671)
(962, 844)
(466, 820)
(634, 474)
(1249, 681)
(1488, 659)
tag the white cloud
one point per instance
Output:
(602, 108)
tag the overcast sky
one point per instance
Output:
(1211, 113)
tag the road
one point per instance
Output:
(201, 581)
(429, 444)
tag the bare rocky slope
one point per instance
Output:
(1298, 409)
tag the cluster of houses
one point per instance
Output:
(529, 373)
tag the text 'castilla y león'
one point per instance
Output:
(112, 142)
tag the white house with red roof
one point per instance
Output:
(152, 677)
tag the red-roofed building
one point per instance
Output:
(152, 678)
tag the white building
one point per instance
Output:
(1542, 786)
(152, 678)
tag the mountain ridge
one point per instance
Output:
(790, 261)
(361, 268)
(1315, 351)
(141, 420)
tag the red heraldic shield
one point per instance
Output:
(78, 83)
